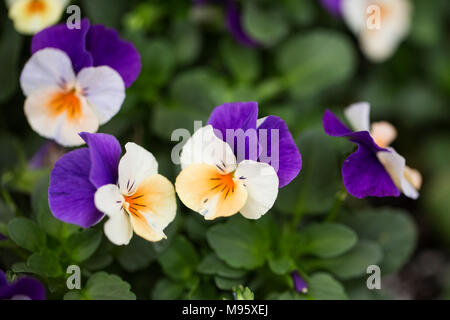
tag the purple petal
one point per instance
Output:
(235, 27)
(364, 175)
(332, 6)
(71, 193)
(333, 126)
(287, 159)
(72, 42)
(105, 154)
(232, 117)
(23, 288)
(300, 285)
(107, 48)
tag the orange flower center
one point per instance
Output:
(136, 202)
(36, 6)
(224, 183)
(66, 102)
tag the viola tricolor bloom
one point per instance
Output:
(380, 25)
(75, 80)
(375, 169)
(89, 182)
(300, 284)
(237, 163)
(25, 288)
(31, 16)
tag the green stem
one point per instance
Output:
(334, 212)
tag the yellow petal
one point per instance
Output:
(202, 188)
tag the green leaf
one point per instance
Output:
(265, 25)
(315, 61)
(242, 62)
(281, 264)
(102, 12)
(186, 42)
(240, 243)
(80, 246)
(137, 255)
(10, 46)
(180, 260)
(26, 234)
(355, 262)
(327, 240)
(322, 286)
(212, 265)
(103, 286)
(45, 263)
(226, 284)
(242, 293)
(392, 229)
(167, 290)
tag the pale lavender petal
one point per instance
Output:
(105, 152)
(23, 288)
(71, 41)
(70, 193)
(239, 119)
(46, 156)
(288, 163)
(107, 48)
(235, 27)
(332, 6)
(300, 285)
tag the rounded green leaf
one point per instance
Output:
(26, 234)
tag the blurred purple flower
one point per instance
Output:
(332, 6)
(77, 176)
(233, 21)
(46, 156)
(300, 285)
(92, 46)
(25, 288)
(244, 115)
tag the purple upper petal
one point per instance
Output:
(71, 193)
(235, 27)
(284, 156)
(107, 48)
(72, 42)
(105, 152)
(23, 288)
(233, 117)
(362, 172)
(332, 6)
(300, 285)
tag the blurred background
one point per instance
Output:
(295, 58)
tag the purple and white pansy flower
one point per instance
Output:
(375, 169)
(75, 80)
(24, 288)
(237, 163)
(88, 183)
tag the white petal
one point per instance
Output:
(354, 13)
(261, 182)
(383, 133)
(47, 69)
(395, 166)
(104, 90)
(61, 125)
(118, 228)
(358, 115)
(135, 166)
(205, 148)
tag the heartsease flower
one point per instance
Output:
(75, 80)
(25, 288)
(379, 24)
(87, 183)
(375, 169)
(237, 163)
(31, 16)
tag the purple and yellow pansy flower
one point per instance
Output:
(375, 169)
(24, 288)
(88, 183)
(75, 80)
(237, 163)
(32, 16)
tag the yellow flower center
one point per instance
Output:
(36, 7)
(66, 101)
